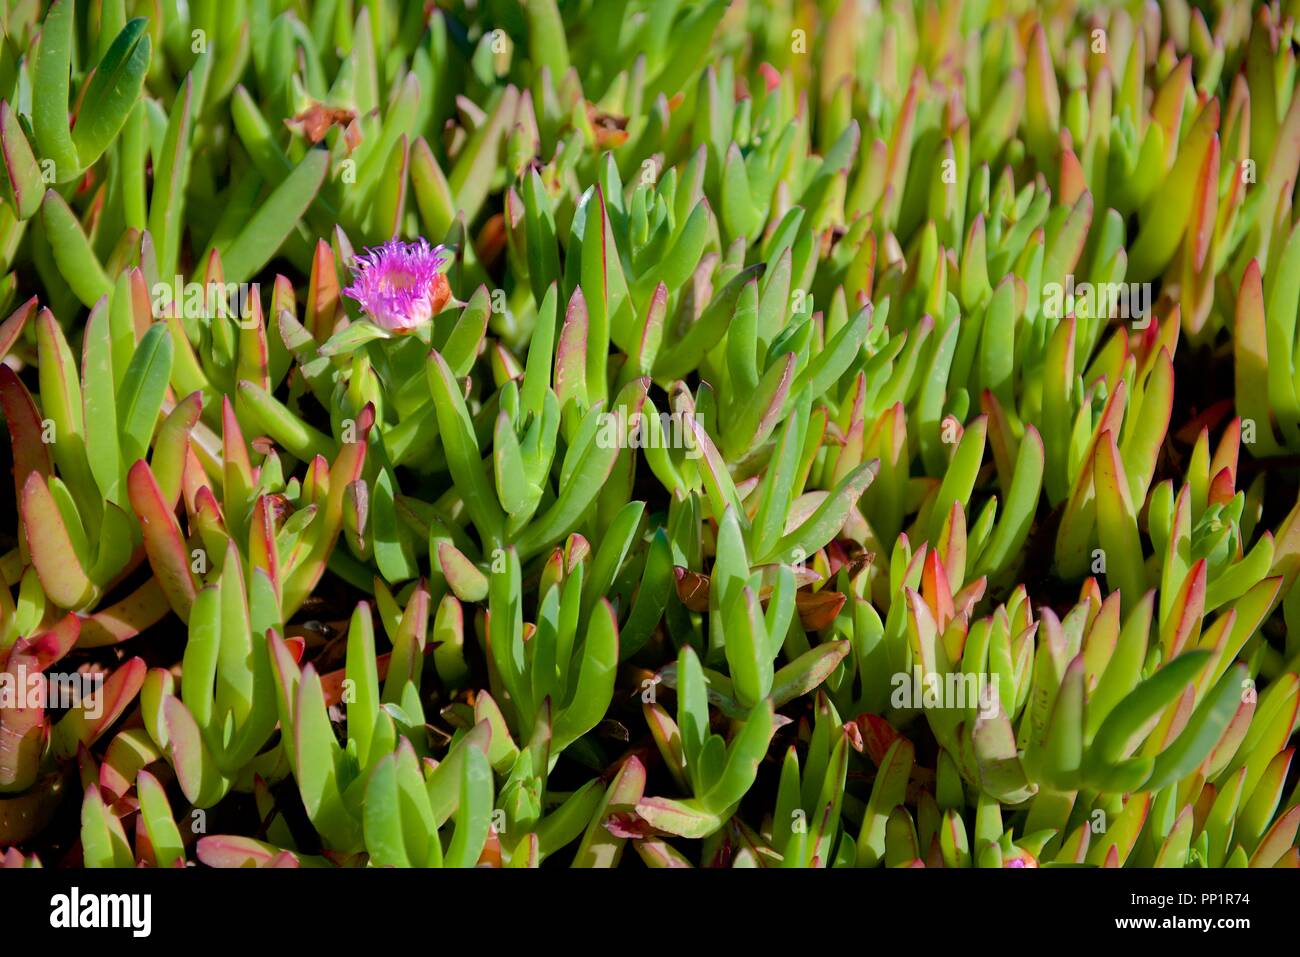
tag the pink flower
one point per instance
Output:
(401, 285)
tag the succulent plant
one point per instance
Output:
(38, 753)
(744, 434)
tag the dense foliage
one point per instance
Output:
(808, 433)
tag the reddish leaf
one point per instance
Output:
(877, 736)
(12, 327)
(30, 453)
(163, 542)
(692, 588)
(127, 618)
(818, 609)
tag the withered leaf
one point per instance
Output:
(315, 123)
(818, 609)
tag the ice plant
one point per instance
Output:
(401, 285)
(36, 755)
(783, 434)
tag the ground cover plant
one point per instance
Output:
(669, 433)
